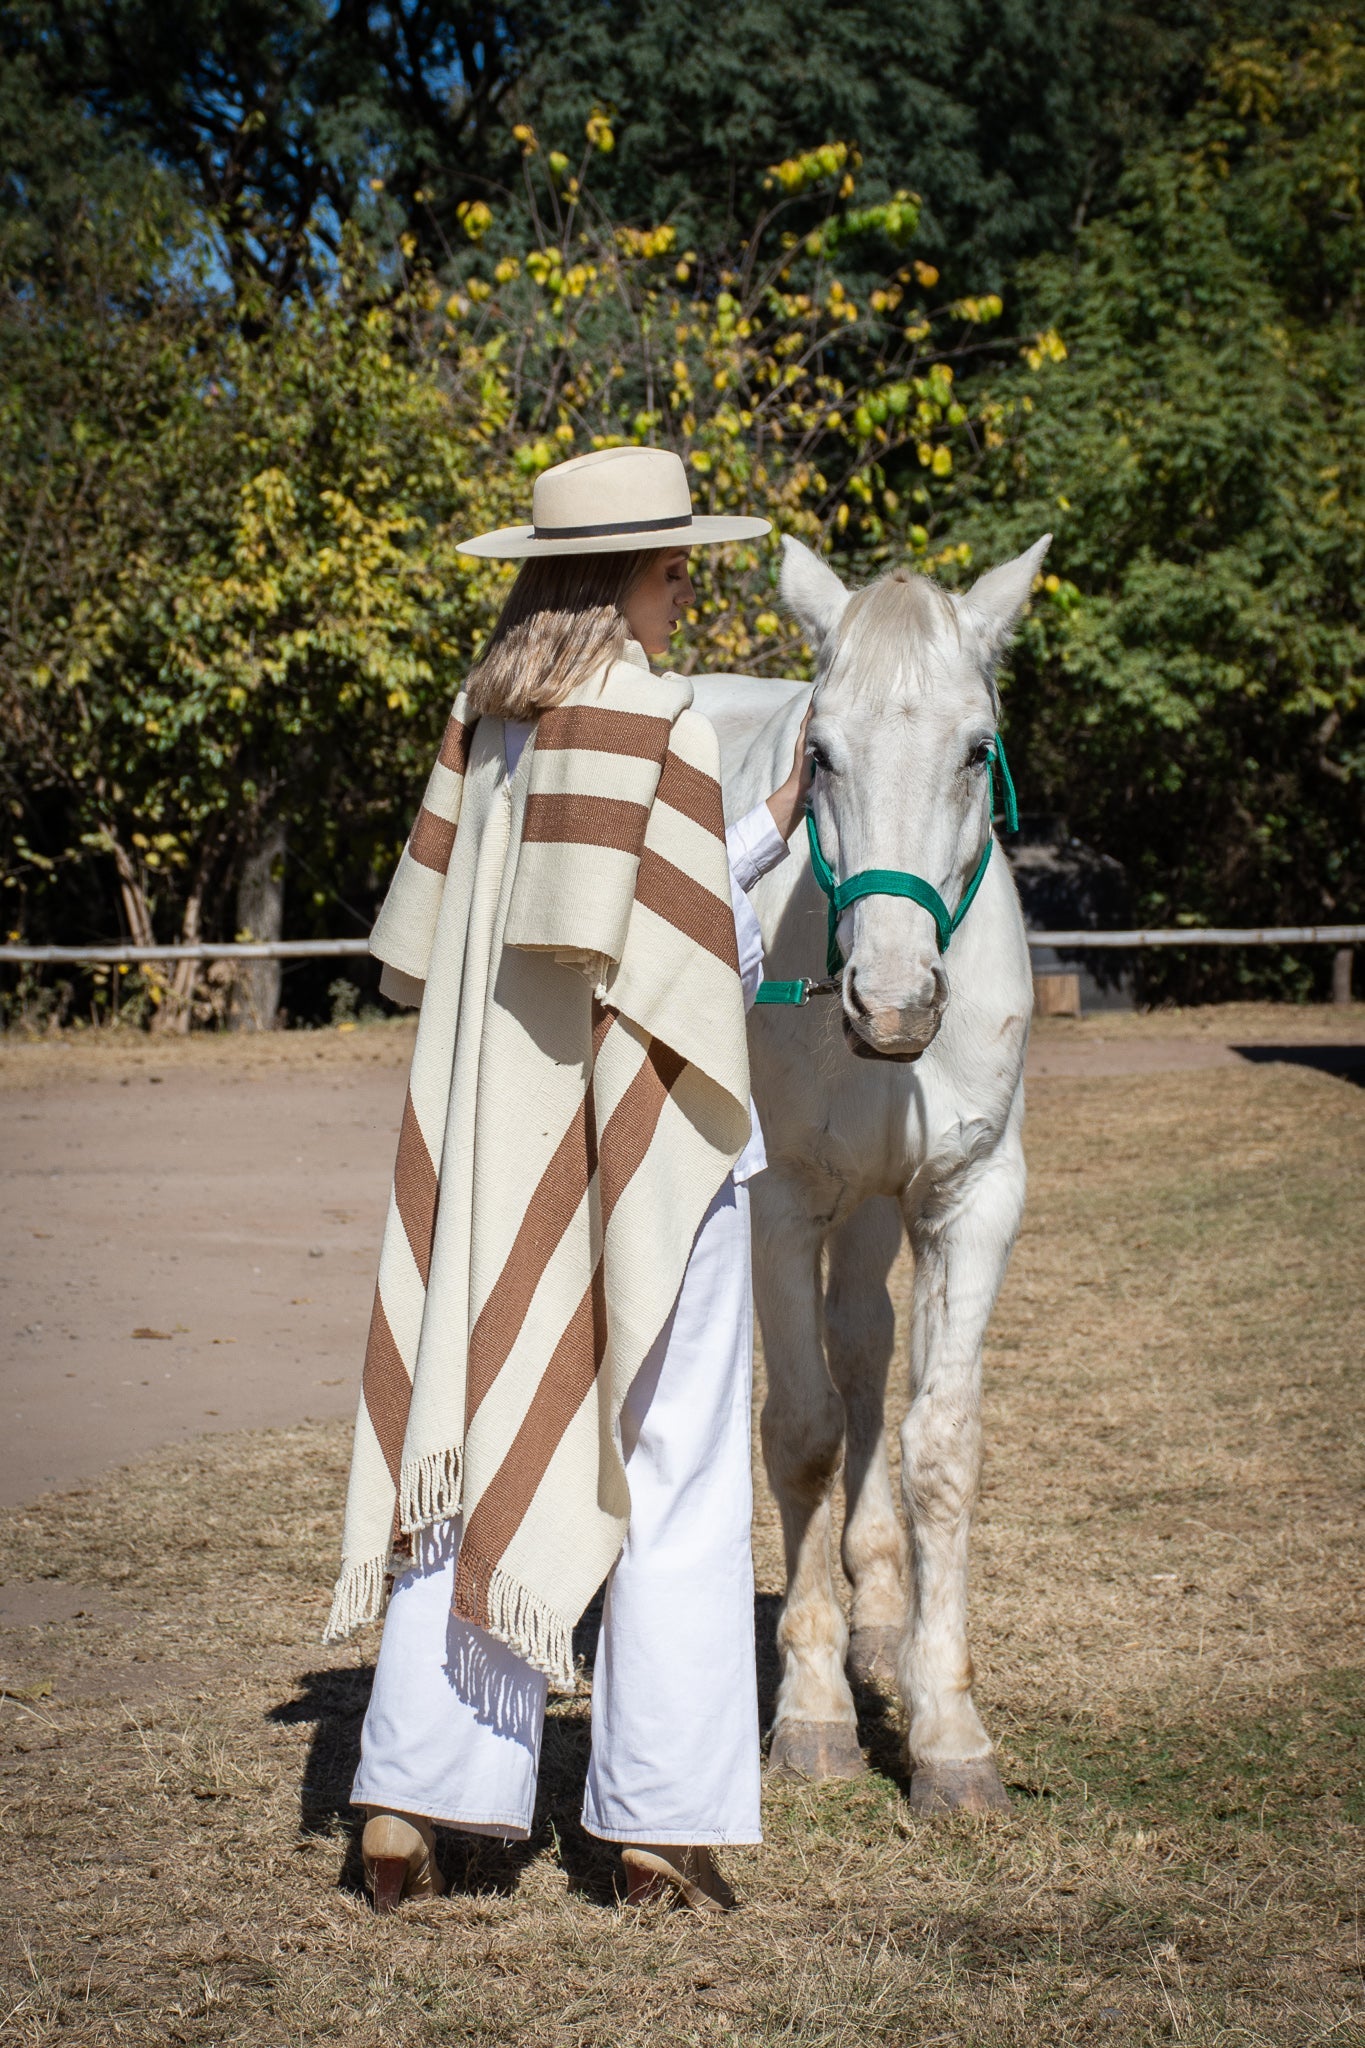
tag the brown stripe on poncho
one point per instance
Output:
(579, 1091)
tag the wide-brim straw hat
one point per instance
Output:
(604, 503)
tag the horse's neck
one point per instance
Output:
(756, 721)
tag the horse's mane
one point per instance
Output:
(897, 635)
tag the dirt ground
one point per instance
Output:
(1168, 1599)
(225, 1197)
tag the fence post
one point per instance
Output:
(1343, 961)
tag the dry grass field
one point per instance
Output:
(1167, 1614)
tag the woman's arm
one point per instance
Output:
(755, 843)
(788, 804)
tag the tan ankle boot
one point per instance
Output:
(656, 1870)
(399, 1854)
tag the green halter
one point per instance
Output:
(892, 882)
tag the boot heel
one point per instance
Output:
(390, 1876)
(643, 1887)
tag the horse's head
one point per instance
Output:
(905, 710)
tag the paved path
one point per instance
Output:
(231, 1195)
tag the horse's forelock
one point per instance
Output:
(891, 633)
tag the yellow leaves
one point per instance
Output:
(525, 138)
(479, 289)
(700, 461)
(558, 163)
(599, 131)
(506, 270)
(408, 244)
(797, 173)
(942, 464)
(1044, 348)
(978, 311)
(648, 243)
(532, 457)
(376, 184)
(925, 274)
(767, 623)
(475, 217)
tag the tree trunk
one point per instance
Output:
(1342, 962)
(177, 1007)
(260, 916)
(134, 901)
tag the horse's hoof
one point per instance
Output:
(872, 1654)
(815, 1749)
(958, 1788)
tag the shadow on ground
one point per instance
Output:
(1347, 1062)
(334, 1703)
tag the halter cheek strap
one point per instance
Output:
(895, 882)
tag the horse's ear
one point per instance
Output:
(811, 591)
(997, 598)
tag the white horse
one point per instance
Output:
(923, 1126)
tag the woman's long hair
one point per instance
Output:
(563, 619)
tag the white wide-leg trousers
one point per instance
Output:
(454, 1723)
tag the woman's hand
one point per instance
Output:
(788, 804)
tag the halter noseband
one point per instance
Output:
(893, 882)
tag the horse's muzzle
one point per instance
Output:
(863, 1048)
(886, 1032)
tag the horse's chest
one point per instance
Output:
(849, 1129)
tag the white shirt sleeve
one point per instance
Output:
(754, 845)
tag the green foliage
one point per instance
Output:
(1006, 118)
(243, 427)
(1189, 690)
(237, 602)
(230, 553)
(1010, 119)
(786, 395)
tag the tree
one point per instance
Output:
(235, 610)
(291, 118)
(1189, 693)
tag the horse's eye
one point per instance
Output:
(818, 756)
(980, 755)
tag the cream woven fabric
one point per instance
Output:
(579, 1091)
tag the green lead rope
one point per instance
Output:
(892, 882)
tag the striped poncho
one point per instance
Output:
(579, 1091)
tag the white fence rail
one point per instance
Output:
(346, 949)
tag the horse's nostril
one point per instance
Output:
(851, 991)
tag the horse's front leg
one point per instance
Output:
(860, 1335)
(815, 1731)
(962, 1233)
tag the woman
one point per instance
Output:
(557, 1385)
